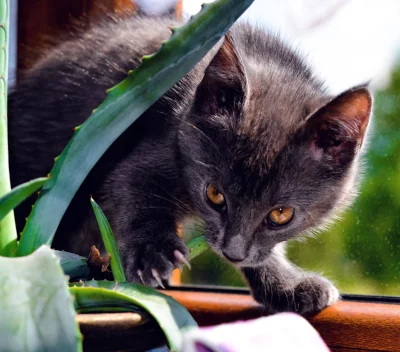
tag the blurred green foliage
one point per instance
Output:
(361, 252)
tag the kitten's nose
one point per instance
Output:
(235, 248)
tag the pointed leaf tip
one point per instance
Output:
(18, 194)
(173, 29)
(110, 243)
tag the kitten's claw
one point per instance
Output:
(140, 274)
(181, 259)
(155, 264)
(157, 277)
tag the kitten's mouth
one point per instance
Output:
(234, 259)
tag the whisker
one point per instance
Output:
(207, 165)
(172, 202)
(309, 214)
(201, 132)
(171, 195)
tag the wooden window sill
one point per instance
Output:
(346, 326)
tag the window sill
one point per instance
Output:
(349, 325)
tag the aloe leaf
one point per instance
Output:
(172, 317)
(123, 105)
(109, 242)
(18, 194)
(73, 265)
(36, 309)
(8, 232)
(197, 246)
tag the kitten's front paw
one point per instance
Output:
(154, 262)
(314, 294)
(310, 296)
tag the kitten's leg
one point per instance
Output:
(148, 242)
(281, 286)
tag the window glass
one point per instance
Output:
(362, 251)
(348, 43)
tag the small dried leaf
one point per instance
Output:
(98, 265)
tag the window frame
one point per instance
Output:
(356, 323)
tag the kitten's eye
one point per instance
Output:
(280, 216)
(214, 196)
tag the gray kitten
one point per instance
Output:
(248, 141)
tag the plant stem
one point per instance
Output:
(8, 232)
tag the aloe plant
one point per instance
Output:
(8, 233)
(123, 105)
(100, 296)
(173, 319)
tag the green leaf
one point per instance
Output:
(123, 105)
(109, 242)
(197, 246)
(18, 195)
(8, 243)
(73, 265)
(36, 308)
(8, 231)
(100, 296)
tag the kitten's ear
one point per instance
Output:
(223, 85)
(336, 131)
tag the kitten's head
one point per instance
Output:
(267, 154)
